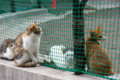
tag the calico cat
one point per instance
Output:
(27, 47)
(61, 56)
(97, 57)
(6, 49)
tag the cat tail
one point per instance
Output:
(102, 69)
(30, 64)
(106, 71)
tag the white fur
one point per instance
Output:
(104, 37)
(57, 56)
(9, 53)
(24, 59)
(63, 60)
(80, 0)
(47, 58)
(31, 43)
(69, 59)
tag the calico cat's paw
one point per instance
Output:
(37, 65)
(38, 62)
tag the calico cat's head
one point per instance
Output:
(97, 34)
(34, 29)
(10, 43)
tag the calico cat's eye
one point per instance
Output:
(37, 32)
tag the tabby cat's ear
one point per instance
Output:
(99, 27)
(35, 23)
(7, 41)
(91, 31)
(0, 45)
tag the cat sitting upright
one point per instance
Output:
(97, 57)
(27, 47)
(6, 49)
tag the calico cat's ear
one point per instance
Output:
(34, 25)
(99, 27)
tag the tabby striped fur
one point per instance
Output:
(98, 59)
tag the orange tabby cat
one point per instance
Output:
(98, 59)
(26, 47)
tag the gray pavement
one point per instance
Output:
(8, 71)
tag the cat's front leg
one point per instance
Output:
(32, 57)
(37, 56)
(37, 53)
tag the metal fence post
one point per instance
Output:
(12, 3)
(39, 3)
(78, 36)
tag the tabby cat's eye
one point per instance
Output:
(100, 36)
(11, 45)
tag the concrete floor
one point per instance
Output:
(8, 71)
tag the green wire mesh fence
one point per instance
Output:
(67, 25)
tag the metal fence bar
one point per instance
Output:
(12, 3)
(78, 35)
(39, 3)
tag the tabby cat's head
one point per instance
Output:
(10, 43)
(97, 34)
(34, 29)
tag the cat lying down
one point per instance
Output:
(61, 56)
(6, 49)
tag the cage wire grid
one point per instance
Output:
(57, 25)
